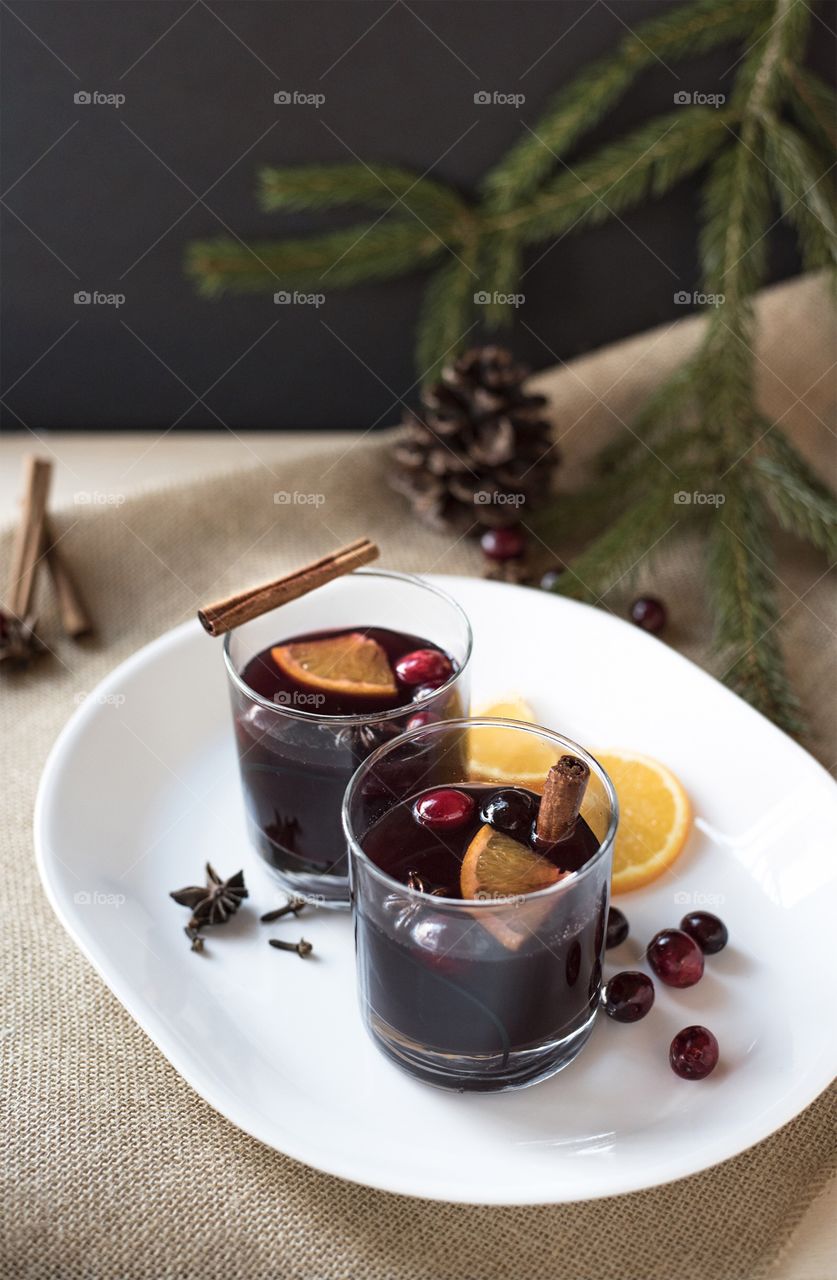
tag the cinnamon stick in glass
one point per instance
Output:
(561, 802)
(235, 610)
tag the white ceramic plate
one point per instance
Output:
(142, 786)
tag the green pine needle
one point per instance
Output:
(743, 589)
(799, 508)
(375, 186)
(446, 317)
(616, 555)
(679, 33)
(340, 258)
(805, 192)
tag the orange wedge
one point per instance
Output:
(496, 866)
(499, 756)
(353, 664)
(655, 818)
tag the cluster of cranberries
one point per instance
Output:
(676, 956)
(508, 810)
(423, 672)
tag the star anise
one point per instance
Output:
(216, 901)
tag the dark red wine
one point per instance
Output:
(295, 768)
(447, 980)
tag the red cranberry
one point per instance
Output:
(444, 809)
(676, 958)
(649, 613)
(512, 811)
(617, 928)
(420, 720)
(550, 579)
(708, 931)
(628, 996)
(693, 1053)
(424, 667)
(506, 543)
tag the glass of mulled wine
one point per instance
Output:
(480, 902)
(316, 686)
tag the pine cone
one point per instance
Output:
(481, 453)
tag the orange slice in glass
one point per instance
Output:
(349, 664)
(655, 818)
(496, 866)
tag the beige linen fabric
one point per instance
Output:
(112, 1167)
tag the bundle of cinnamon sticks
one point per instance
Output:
(34, 545)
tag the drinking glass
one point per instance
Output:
(295, 763)
(485, 994)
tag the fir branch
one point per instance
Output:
(743, 588)
(375, 186)
(446, 316)
(688, 30)
(339, 258)
(805, 195)
(645, 163)
(778, 447)
(501, 264)
(799, 508)
(813, 104)
(664, 412)
(617, 554)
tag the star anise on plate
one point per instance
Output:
(214, 902)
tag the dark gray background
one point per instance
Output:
(96, 210)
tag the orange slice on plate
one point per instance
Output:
(352, 664)
(496, 866)
(655, 818)
(499, 756)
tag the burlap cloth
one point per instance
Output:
(112, 1166)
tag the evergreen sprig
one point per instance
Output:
(770, 146)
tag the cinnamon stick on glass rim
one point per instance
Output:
(235, 610)
(563, 794)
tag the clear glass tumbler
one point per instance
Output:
(295, 763)
(483, 993)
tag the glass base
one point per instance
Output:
(319, 890)
(480, 1073)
